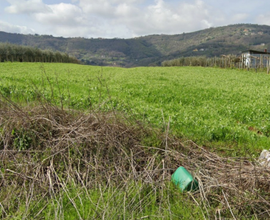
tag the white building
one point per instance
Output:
(255, 59)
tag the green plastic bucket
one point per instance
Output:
(184, 180)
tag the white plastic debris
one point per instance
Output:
(264, 158)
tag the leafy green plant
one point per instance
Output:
(21, 140)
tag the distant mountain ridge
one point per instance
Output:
(152, 49)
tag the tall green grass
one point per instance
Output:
(132, 201)
(224, 107)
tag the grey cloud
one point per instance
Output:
(61, 14)
(171, 19)
(263, 19)
(27, 7)
(7, 27)
(160, 17)
(130, 18)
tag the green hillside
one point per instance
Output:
(153, 49)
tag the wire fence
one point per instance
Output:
(244, 61)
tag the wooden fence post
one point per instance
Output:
(268, 64)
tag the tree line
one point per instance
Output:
(18, 53)
(224, 61)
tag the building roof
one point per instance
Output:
(255, 52)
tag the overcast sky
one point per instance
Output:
(126, 18)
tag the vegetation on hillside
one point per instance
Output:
(154, 49)
(17, 53)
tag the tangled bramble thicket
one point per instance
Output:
(45, 147)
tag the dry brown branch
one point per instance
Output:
(104, 148)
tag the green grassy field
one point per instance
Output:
(221, 108)
(105, 144)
